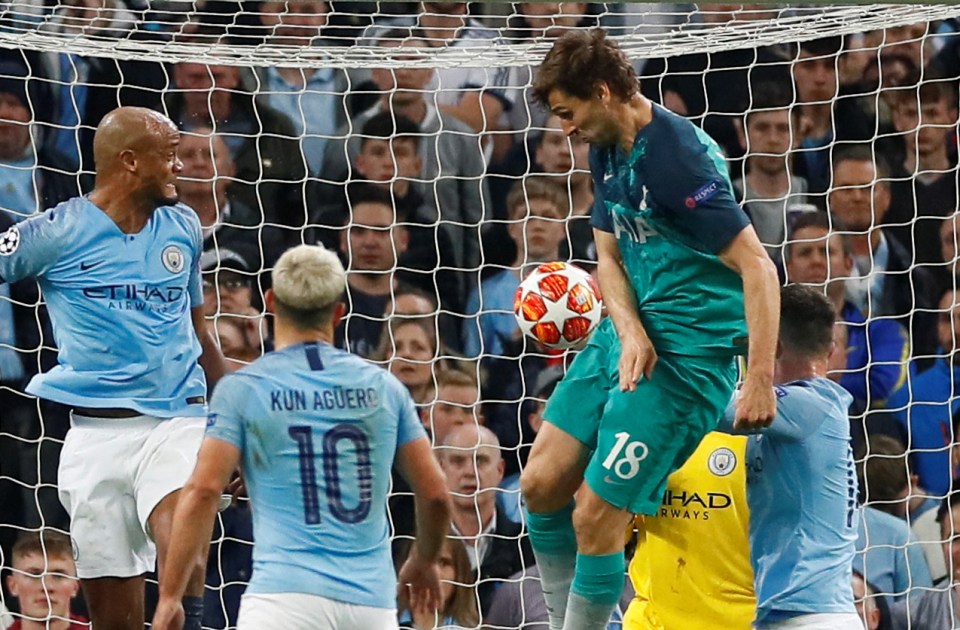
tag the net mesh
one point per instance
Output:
(410, 142)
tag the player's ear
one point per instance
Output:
(339, 311)
(12, 586)
(602, 91)
(270, 301)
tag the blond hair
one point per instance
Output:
(308, 282)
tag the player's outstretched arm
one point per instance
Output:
(211, 360)
(192, 527)
(761, 299)
(637, 356)
(419, 580)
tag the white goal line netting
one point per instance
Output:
(407, 139)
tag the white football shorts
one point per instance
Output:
(819, 621)
(113, 472)
(300, 611)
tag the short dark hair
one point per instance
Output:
(48, 542)
(822, 47)
(819, 219)
(363, 192)
(882, 472)
(862, 152)
(806, 320)
(386, 125)
(579, 54)
(770, 95)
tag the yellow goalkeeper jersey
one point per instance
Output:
(692, 565)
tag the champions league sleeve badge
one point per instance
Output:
(9, 241)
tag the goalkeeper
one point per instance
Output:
(684, 276)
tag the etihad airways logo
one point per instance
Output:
(693, 505)
(134, 297)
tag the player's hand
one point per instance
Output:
(637, 358)
(419, 583)
(756, 406)
(168, 616)
(237, 488)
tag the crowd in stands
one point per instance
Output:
(441, 189)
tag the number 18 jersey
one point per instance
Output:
(318, 429)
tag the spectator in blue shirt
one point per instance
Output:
(877, 349)
(924, 407)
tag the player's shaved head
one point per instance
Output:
(135, 129)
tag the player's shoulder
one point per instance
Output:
(817, 389)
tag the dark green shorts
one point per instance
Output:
(638, 438)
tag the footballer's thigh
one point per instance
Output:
(301, 611)
(554, 469)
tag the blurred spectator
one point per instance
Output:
(715, 88)
(74, 78)
(819, 253)
(870, 608)
(312, 98)
(925, 183)
(937, 608)
(536, 22)
(371, 242)
(33, 177)
(519, 604)
(389, 159)
(537, 209)
(236, 342)
(887, 484)
(457, 404)
(204, 185)
(269, 166)
(769, 191)
(825, 119)
(458, 608)
(44, 581)
(510, 500)
(452, 161)
(889, 556)
(925, 405)
(477, 96)
(885, 282)
(470, 457)
(228, 283)
(409, 347)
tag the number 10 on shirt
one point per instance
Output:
(332, 439)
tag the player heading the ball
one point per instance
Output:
(120, 272)
(316, 431)
(686, 283)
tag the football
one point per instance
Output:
(558, 304)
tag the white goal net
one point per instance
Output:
(406, 137)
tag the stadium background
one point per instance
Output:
(372, 122)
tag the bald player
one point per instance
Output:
(119, 270)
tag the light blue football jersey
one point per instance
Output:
(318, 429)
(802, 494)
(119, 303)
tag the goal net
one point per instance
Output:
(406, 137)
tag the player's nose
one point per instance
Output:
(569, 129)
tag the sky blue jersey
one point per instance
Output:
(318, 429)
(119, 303)
(802, 494)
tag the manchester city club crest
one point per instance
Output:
(172, 259)
(9, 241)
(722, 461)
